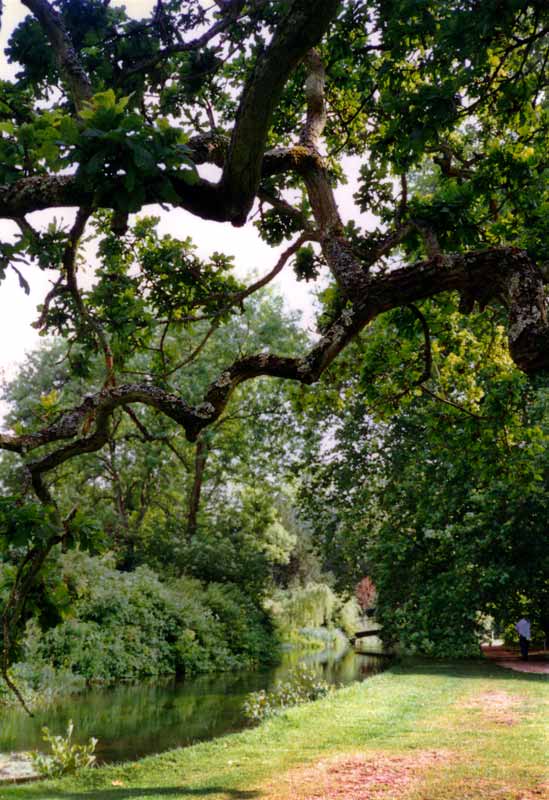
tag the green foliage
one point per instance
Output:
(313, 611)
(140, 276)
(40, 684)
(349, 616)
(21, 524)
(275, 226)
(242, 624)
(130, 625)
(243, 543)
(438, 490)
(312, 605)
(306, 264)
(538, 636)
(138, 507)
(301, 686)
(66, 758)
(463, 530)
(115, 140)
(107, 140)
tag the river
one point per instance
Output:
(131, 721)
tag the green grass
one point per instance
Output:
(413, 707)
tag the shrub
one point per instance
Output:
(65, 757)
(510, 635)
(8, 698)
(246, 628)
(302, 685)
(131, 625)
(319, 639)
(40, 684)
(348, 617)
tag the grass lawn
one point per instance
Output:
(420, 731)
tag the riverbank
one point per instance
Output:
(16, 767)
(132, 721)
(442, 731)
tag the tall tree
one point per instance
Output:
(155, 496)
(438, 487)
(109, 114)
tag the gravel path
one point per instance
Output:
(16, 767)
(538, 660)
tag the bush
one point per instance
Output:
(131, 625)
(302, 685)
(246, 628)
(511, 638)
(310, 615)
(40, 684)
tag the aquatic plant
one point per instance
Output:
(302, 685)
(66, 757)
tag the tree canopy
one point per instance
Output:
(441, 108)
(438, 492)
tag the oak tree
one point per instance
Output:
(440, 106)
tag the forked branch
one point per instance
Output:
(505, 269)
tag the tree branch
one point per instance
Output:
(231, 12)
(69, 65)
(299, 31)
(200, 459)
(39, 192)
(504, 269)
(316, 106)
(446, 402)
(232, 198)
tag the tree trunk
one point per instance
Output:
(200, 458)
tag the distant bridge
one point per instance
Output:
(370, 631)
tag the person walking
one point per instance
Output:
(523, 629)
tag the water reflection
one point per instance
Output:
(137, 720)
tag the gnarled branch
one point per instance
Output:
(69, 64)
(505, 269)
(232, 198)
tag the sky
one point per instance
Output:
(251, 255)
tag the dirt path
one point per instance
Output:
(358, 776)
(538, 660)
(16, 767)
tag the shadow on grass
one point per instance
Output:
(158, 791)
(475, 668)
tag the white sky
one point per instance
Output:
(18, 311)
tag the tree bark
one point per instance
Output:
(70, 68)
(200, 459)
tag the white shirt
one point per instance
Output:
(523, 628)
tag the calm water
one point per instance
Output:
(136, 720)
